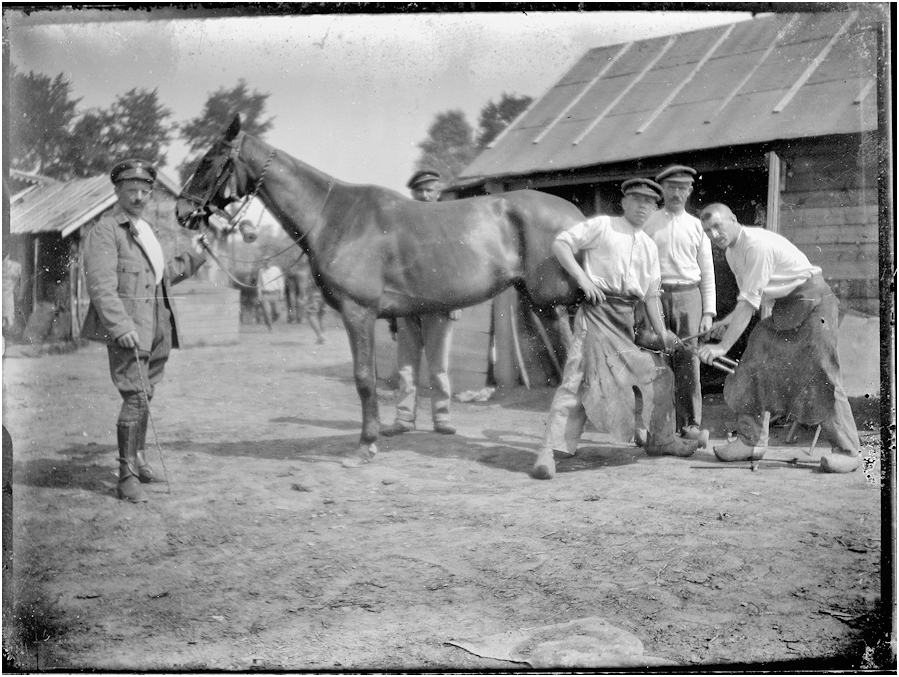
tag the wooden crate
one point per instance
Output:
(208, 314)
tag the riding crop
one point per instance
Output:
(144, 391)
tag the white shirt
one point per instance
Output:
(619, 258)
(147, 239)
(685, 253)
(271, 280)
(767, 266)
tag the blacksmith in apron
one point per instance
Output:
(620, 272)
(128, 281)
(791, 365)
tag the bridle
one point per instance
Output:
(203, 206)
(225, 172)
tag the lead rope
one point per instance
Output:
(145, 392)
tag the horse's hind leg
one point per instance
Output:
(360, 327)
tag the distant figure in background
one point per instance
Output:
(131, 311)
(429, 334)
(293, 299)
(313, 304)
(12, 290)
(270, 285)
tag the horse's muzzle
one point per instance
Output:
(189, 216)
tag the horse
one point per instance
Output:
(375, 253)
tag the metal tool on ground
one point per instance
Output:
(145, 392)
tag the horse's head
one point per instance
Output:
(211, 187)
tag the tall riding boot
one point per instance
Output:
(144, 472)
(129, 487)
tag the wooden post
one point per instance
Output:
(773, 208)
(505, 369)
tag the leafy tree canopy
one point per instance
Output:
(48, 136)
(202, 131)
(136, 125)
(452, 144)
(40, 113)
(495, 117)
(449, 146)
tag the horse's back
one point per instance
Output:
(540, 217)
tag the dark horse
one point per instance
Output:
(377, 254)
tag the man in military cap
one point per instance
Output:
(128, 282)
(791, 364)
(429, 334)
(425, 185)
(688, 287)
(604, 365)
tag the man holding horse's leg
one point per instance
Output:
(429, 334)
(131, 311)
(604, 365)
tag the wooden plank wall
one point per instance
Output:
(469, 352)
(829, 210)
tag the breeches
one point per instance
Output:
(132, 375)
(431, 335)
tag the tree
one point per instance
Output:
(202, 131)
(40, 114)
(449, 146)
(495, 117)
(134, 126)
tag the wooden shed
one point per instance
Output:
(778, 114)
(47, 221)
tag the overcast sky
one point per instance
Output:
(352, 95)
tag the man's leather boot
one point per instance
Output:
(129, 487)
(144, 472)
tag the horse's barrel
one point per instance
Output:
(249, 230)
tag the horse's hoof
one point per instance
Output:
(364, 454)
(703, 439)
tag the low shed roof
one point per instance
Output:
(778, 77)
(66, 206)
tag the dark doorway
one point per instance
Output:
(745, 191)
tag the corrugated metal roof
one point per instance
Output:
(65, 207)
(778, 77)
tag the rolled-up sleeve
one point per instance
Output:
(707, 275)
(756, 270)
(584, 235)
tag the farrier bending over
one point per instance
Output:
(131, 311)
(791, 364)
(621, 270)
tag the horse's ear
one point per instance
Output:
(233, 128)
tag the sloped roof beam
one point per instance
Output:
(584, 91)
(865, 91)
(813, 66)
(686, 80)
(736, 90)
(627, 89)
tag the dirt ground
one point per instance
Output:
(267, 554)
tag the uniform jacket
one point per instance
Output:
(121, 282)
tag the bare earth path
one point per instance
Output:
(268, 554)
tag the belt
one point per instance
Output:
(679, 286)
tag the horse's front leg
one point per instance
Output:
(360, 327)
